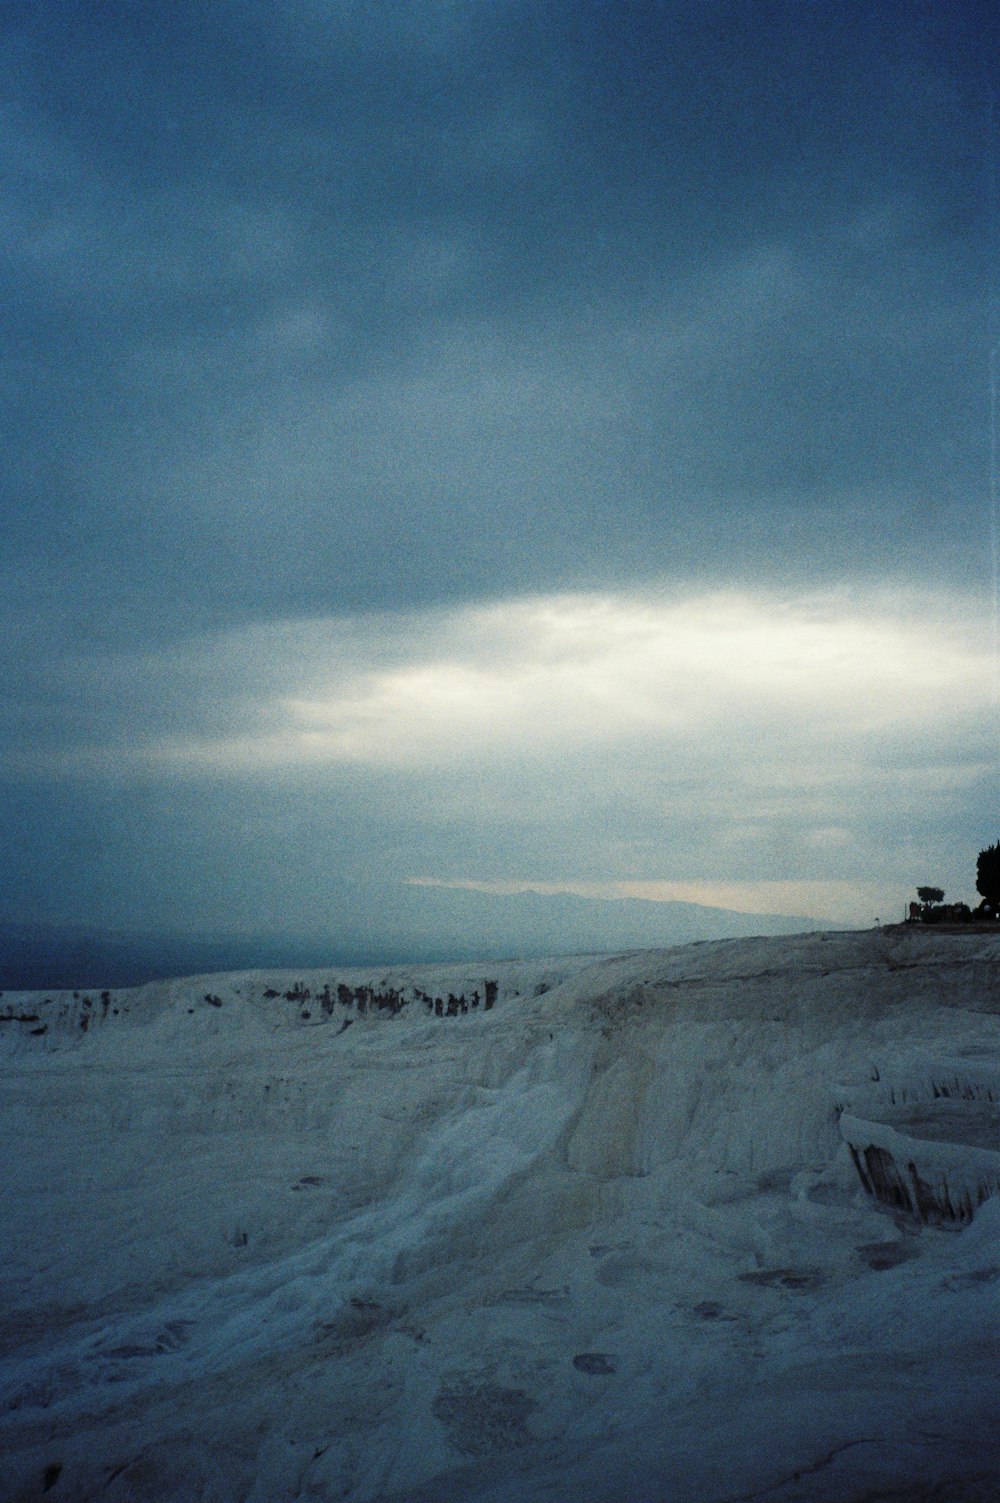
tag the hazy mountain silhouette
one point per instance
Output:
(379, 925)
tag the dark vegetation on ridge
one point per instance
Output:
(932, 909)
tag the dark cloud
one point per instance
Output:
(315, 285)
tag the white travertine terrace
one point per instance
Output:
(602, 1238)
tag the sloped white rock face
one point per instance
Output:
(602, 1239)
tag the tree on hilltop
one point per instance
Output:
(930, 894)
(988, 874)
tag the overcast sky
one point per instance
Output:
(535, 442)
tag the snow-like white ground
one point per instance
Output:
(599, 1242)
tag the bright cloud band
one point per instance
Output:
(710, 674)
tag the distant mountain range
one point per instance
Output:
(391, 925)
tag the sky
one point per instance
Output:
(528, 444)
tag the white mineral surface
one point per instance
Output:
(602, 1240)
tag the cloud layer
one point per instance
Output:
(522, 442)
(659, 744)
